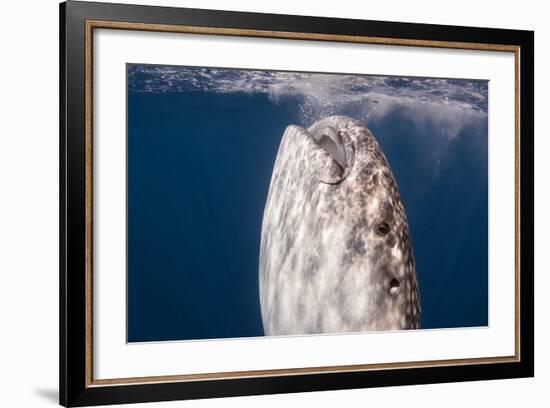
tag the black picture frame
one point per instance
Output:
(76, 385)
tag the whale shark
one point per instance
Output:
(336, 253)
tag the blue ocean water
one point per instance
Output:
(201, 148)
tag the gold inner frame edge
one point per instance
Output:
(97, 24)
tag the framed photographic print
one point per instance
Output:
(255, 203)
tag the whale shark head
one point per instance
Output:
(336, 253)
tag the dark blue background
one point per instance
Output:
(199, 167)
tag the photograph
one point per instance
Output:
(283, 203)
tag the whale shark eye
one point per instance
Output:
(383, 229)
(394, 286)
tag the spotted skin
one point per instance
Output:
(336, 253)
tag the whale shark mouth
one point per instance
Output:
(332, 141)
(338, 146)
